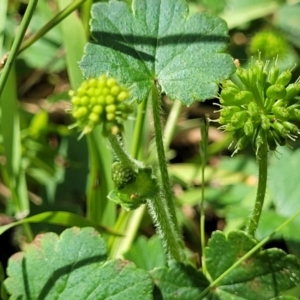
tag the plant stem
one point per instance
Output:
(158, 207)
(129, 221)
(161, 155)
(138, 129)
(52, 23)
(261, 188)
(17, 42)
(166, 228)
(86, 15)
(204, 156)
(123, 156)
(171, 123)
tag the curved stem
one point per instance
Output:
(261, 189)
(161, 155)
(123, 156)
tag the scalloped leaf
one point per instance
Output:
(178, 281)
(157, 41)
(263, 276)
(74, 266)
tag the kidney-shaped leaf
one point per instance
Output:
(157, 40)
(264, 275)
(74, 266)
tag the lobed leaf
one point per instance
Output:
(74, 266)
(157, 41)
(266, 274)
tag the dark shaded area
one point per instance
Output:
(120, 42)
(7, 245)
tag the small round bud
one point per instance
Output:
(94, 117)
(109, 99)
(122, 96)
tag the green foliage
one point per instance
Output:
(264, 275)
(147, 253)
(158, 43)
(178, 281)
(143, 53)
(74, 266)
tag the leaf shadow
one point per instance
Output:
(25, 279)
(67, 269)
(125, 42)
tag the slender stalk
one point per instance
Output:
(86, 14)
(261, 189)
(247, 255)
(138, 129)
(171, 123)
(161, 155)
(166, 228)
(17, 42)
(204, 156)
(95, 192)
(52, 23)
(33, 38)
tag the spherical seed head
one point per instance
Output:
(122, 174)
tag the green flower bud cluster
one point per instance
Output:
(263, 109)
(100, 100)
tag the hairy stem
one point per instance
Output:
(161, 155)
(261, 189)
(166, 228)
(119, 149)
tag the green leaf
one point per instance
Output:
(147, 253)
(264, 275)
(178, 281)
(158, 41)
(74, 266)
(63, 218)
